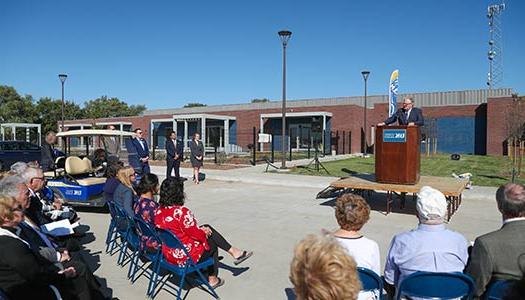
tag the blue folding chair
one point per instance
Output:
(145, 229)
(497, 289)
(437, 285)
(129, 242)
(120, 228)
(169, 240)
(112, 226)
(370, 281)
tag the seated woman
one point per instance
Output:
(145, 206)
(23, 273)
(321, 269)
(111, 180)
(352, 212)
(202, 242)
(124, 195)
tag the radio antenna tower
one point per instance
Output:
(495, 53)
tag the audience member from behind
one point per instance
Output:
(145, 206)
(431, 247)
(202, 242)
(47, 159)
(322, 270)
(124, 195)
(352, 212)
(111, 180)
(496, 255)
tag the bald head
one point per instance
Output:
(511, 200)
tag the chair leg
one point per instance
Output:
(181, 284)
(122, 253)
(154, 282)
(111, 237)
(207, 284)
(132, 263)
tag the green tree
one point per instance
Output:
(104, 107)
(194, 104)
(262, 100)
(49, 111)
(15, 108)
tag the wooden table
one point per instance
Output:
(452, 188)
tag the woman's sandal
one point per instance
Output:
(244, 256)
(218, 284)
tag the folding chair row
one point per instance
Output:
(124, 234)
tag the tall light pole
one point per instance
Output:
(284, 35)
(62, 78)
(365, 143)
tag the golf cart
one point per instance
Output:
(76, 179)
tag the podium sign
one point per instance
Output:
(394, 135)
(397, 154)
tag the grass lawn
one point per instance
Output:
(486, 170)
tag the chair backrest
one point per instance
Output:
(497, 289)
(145, 229)
(370, 280)
(170, 240)
(112, 209)
(75, 165)
(436, 285)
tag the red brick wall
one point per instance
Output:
(497, 111)
(350, 118)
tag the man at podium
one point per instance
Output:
(407, 115)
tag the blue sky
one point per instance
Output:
(167, 53)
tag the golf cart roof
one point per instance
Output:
(95, 132)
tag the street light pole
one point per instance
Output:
(62, 78)
(365, 143)
(285, 37)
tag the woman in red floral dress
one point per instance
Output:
(201, 242)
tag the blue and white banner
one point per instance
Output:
(392, 93)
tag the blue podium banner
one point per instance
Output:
(394, 135)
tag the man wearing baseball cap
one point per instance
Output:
(430, 247)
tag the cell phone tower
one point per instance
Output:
(495, 53)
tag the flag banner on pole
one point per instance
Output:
(392, 93)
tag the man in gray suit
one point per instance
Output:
(112, 146)
(500, 255)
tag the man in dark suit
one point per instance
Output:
(408, 115)
(141, 148)
(173, 155)
(47, 159)
(500, 255)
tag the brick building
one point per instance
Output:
(470, 121)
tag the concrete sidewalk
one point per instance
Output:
(257, 175)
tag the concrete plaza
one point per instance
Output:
(269, 214)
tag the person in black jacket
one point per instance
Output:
(408, 115)
(197, 156)
(47, 159)
(23, 273)
(173, 155)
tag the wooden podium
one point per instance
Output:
(397, 153)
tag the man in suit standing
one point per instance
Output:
(47, 159)
(408, 115)
(173, 155)
(141, 149)
(112, 146)
(500, 255)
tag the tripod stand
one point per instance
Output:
(315, 163)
